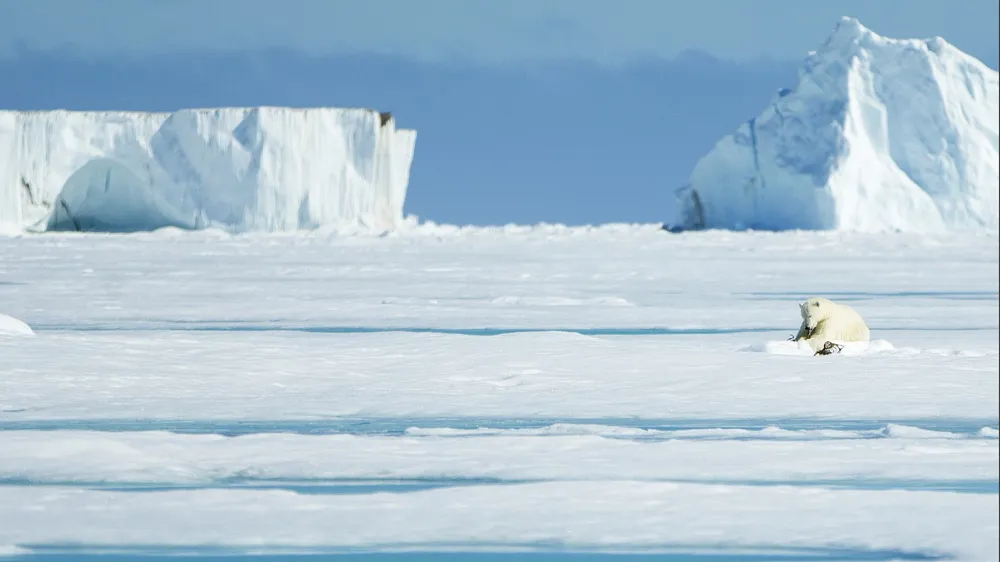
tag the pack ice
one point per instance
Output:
(879, 134)
(261, 168)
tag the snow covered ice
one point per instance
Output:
(549, 389)
(879, 134)
(218, 384)
(262, 168)
(13, 327)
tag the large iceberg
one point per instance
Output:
(241, 169)
(879, 134)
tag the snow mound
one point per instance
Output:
(898, 431)
(559, 301)
(587, 429)
(802, 348)
(10, 326)
(238, 169)
(769, 433)
(879, 135)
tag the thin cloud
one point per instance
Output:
(479, 30)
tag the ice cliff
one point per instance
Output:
(879, 134)
(263, 169)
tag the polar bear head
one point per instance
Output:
(815, 310)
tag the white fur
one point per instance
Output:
(826, 321)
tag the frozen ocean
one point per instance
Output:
(283, 366)
(544, 393)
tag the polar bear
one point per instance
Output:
(826, 323)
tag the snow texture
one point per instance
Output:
(262, 168)
(879, 134)
(786, 522)
(567, 452)
(544, 389)
(152, 320)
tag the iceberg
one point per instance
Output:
(878, 135)
(241, 169)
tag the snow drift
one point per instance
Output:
(879, 134)
(264, 169)
(10, 326)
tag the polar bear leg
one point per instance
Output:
(824, 333)
(804, 332)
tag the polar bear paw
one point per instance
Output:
(829, 348)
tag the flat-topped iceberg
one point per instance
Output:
(241, 169)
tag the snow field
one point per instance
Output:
(549, 390)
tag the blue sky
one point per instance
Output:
(485, 30)
(570, 111)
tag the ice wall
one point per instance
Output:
(262, 168)
(878, 135)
